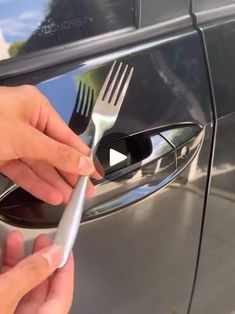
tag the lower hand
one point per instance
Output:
(25, 285)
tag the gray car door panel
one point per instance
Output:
(138, 257)
(215, 280)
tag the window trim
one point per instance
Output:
(89, 47)
(214, 14)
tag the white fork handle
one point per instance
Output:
(69, 224)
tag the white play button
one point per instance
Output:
(115, 157)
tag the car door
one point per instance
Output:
(138, 242)
(215, 280)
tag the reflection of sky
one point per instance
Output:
(62, 92)
(19, 18)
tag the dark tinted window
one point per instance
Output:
(28, 26)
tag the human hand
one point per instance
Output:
(39, 152)
(25, 285)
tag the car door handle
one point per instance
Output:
(170, 151)
(159, 157)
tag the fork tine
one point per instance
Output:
(110, 89)
(119, 86)
(119, 101)
(82, 102)
(77, 103)
(88, 101)
(90, 107)
(105, 84)
(92, 101)
(80, 98)
(115, 95)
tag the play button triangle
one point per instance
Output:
(115, 157)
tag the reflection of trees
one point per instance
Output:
(71, 20)
(16, 47)
(93, 78)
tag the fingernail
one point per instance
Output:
(53, 254)
(85, 165)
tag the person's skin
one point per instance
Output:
(40, 153)
(25, 285)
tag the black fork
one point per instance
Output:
(83, 108)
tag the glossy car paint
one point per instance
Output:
(215, 281)
(142, 258)
(136, 259)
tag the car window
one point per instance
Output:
(29, 26)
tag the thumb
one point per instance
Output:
(31, 271)
(34, 144)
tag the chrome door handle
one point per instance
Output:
(172, 150)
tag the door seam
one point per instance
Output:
(212, 148)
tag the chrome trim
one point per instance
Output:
(215, 13)
(138, 10)
(9, 190)
(91, 47)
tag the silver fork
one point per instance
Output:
(105, 113)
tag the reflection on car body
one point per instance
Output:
(158, 236)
